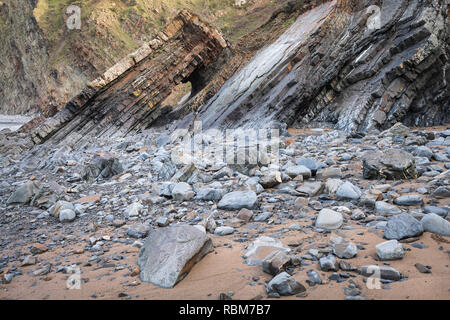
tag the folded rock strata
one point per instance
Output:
(128, 97)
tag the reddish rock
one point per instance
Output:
(38, 248)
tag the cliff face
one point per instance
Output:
(332, 67)
(45, 64)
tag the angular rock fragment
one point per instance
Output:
(271, 179)
(382, 272)
(252, 254)
(345, 250)
(329, 219)
(348, 191)
(182, 192)
(169, 254)
(384, 208)
(24, 193)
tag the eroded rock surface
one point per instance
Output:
(127, 97)
(170, 253)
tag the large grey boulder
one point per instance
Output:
(409, 200)
(424, 152)
(435, 224)
(441, 193)
(392, 164)
(381, 272)
(182, 192)
(402, 226)
(285, 285)
(24, 193)
(169, 254)
(328, 263)
(238, 200)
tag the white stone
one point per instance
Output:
(329, 219)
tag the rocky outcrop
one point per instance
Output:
(348, 65)
(128, 97)
(22, 76)
(169, 254)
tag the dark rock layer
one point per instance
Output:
(127, 98)
(341, 72)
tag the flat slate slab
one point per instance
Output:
(169, 254)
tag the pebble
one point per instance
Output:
(390, 250)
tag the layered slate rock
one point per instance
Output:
(127, 98)
(337, 67)
(392, 164)
(169, 254)
(252, 255)
(285, 285)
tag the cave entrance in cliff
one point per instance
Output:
(180, 94)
